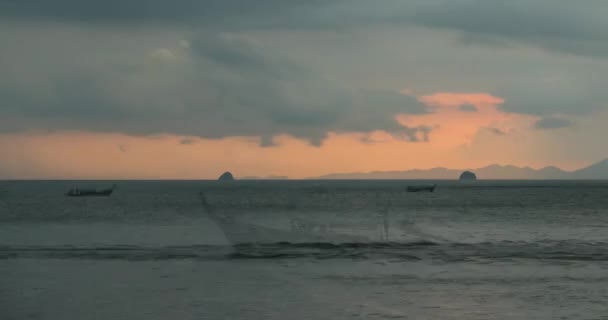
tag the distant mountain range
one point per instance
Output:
(596, 171)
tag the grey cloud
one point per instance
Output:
(560, 25)
(417, 134)
(553, 123)
(228, 14)
(368, 140)
(525, 18)
(187, 141)
(223, 86)
(496, 131)
(233, 77)
(468, 108)
(267, 141)
(568, 95)
(556, 25)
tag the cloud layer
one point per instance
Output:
(553, 123)
(307, 69)
(211, 85)
(561, 25)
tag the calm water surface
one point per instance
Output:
(304, 250)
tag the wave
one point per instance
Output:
(392, 251)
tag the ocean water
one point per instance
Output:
(304, 250)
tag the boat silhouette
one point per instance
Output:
(76, 192)
(422, 188)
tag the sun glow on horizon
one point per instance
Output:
(468, 131)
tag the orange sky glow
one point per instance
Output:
(479, 135)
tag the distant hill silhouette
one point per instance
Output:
(596, 171)
(468, 176)
(226, 176)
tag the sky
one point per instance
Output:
(188, 89)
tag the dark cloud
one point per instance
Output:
(267, 141)
(557, 25)
(553, 123)
(468, 108)
(225, 14)
(496, 131)
(536, 97)
(187, 141)
(367, 139)
(224, 85)
(418, 134)
(560, 25)
(217, 86)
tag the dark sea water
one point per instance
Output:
(304, 250)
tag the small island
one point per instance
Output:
(468, 176)
(226, 176)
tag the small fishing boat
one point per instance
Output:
(90, 192)
(424, 188)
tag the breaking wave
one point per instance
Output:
(393, 251)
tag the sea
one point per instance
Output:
(304, 250)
